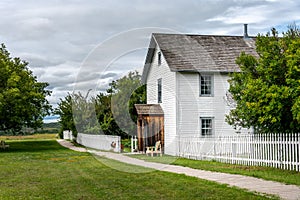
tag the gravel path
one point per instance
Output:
(69, 145)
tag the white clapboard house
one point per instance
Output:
(187, 87)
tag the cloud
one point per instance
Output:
(267, 14)
(59, 39)
(36, 60)
(240, 15)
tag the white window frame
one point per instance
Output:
(211, 85)
(205, 127)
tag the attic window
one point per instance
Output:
(159, 58)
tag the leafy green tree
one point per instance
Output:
(23, 102)
(84, 114)
(110, 113)
(115, 109)
(77, 114)
(127, 91)
(267, 90)
(64, 110)
(104, 115)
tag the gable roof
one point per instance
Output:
(199, 53)
(149, 109)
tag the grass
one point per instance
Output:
(267, 173)
(42, 169)
(50, 136)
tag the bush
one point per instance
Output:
(126, 143)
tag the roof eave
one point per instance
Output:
(149, 57)
(205, 71)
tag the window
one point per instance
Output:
(206, 126)
(206, 85)
(159, 58)
(159, 90)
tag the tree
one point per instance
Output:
(77, 114)
(267, 90)
(107, 112)
(105, 116)
(115, 110)
(84, 114)
(127, 91)
(64, 110)
(23, 100)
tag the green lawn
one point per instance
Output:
(44, 136)
(42, 169)
(267, 173)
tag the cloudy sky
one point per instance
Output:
(84, 44)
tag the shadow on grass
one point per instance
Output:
(32, 146)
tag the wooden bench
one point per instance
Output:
(154, 150)
(3, 145)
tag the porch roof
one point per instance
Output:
(149, 109)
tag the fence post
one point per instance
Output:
(298, 152)
(233, 144)
(215, 147)
(132, 143)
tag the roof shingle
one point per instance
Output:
(203, 53)
(149, 109)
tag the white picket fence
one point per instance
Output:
(134, 143)
(274, 150)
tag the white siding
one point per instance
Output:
(183, 106)
(168, 98)
(191, 106)
(187, 106)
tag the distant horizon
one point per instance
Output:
(51, 119)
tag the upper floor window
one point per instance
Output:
(206, 126)
(159, 58)
(159, 90)
(206, 85)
